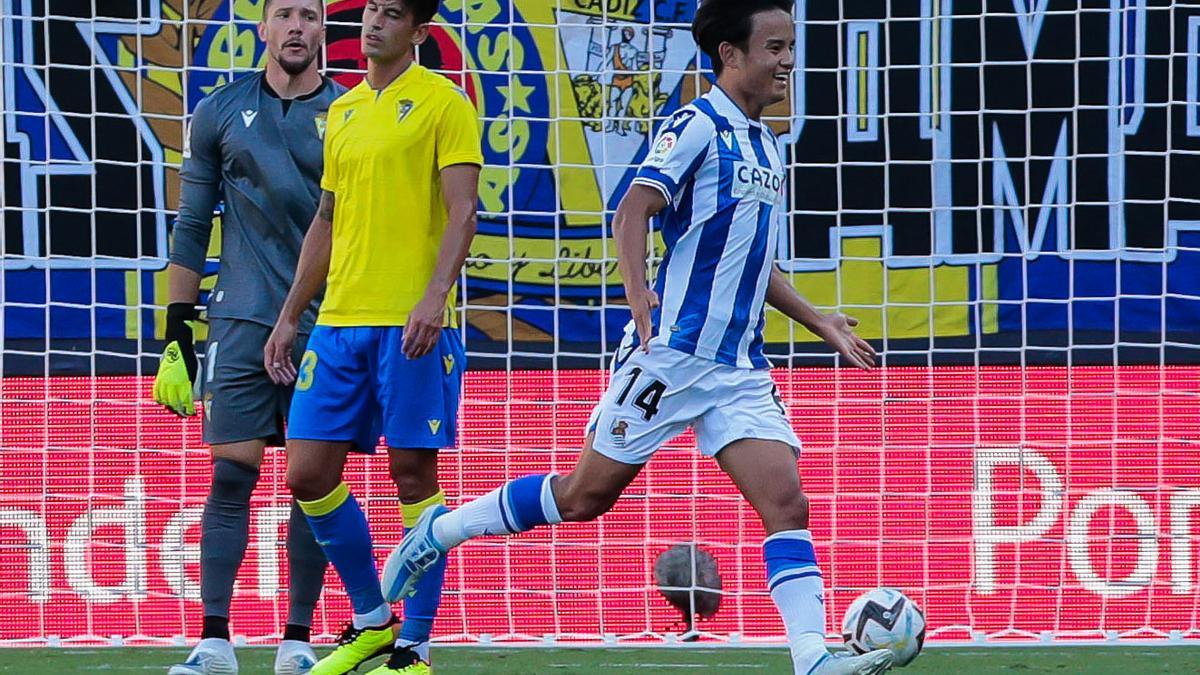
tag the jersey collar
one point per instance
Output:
(408, 74)
(727, 107)
(266, 86)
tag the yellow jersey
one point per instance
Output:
(384, 151)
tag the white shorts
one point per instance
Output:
(654, 397)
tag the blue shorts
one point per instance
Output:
(355, 383)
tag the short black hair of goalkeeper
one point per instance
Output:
(729, 21)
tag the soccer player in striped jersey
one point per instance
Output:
(716, 179)
(256, 144)
(397, 214)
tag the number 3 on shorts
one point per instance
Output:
(304, 378)
(646, 400)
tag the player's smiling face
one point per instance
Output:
(293, 31)
(764, 69)
(389, 31)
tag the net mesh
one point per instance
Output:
(999, 191)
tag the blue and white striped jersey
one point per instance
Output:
(723, 178)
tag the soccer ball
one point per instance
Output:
(885, 617)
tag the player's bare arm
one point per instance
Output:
(631, 224)
(460, 193)
(184, 284)
(311, 270)
(837, 329)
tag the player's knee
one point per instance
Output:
(787, 512)
(412, 487)
(309, 483)
(232, 482)
(415, 474)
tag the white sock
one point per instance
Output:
(805, 621)
(799, 594)
(514, 507)
(374, 618)
(421, 648)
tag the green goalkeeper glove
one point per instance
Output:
(177, 369)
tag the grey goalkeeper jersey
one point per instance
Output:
(262, 156)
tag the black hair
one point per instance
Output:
(729, 21)
(422, 10)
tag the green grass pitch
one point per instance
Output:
(1129, 660)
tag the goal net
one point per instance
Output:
(1003, 193)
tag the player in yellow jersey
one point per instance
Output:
(397, 214)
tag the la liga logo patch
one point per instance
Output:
(662, 149)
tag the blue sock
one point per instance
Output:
(421, 608)
(340, 527)
(799, 594)
(517, 506)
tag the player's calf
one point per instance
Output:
(580, 500)
(421, 607)
(517, 506)
(340, 528)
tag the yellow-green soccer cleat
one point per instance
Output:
(355, 647)
(403, 662)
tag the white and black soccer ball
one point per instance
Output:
(885, 618)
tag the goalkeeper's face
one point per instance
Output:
(293, 31)
(765, 65)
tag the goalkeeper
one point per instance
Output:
(397, 214)
(255, 143)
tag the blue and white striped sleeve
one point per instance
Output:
(679, 149)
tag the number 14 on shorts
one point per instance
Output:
(647, 398)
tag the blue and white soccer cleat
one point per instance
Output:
(410, 560)
(871, 663)
(212, 656)
(294, 658)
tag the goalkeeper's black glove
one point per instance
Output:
(177, 369)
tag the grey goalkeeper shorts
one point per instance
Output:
(241, 403)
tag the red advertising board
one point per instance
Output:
(1006, 501)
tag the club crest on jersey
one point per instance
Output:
(319, 121)
(403, 107)
(618, 432)
(756, 182)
